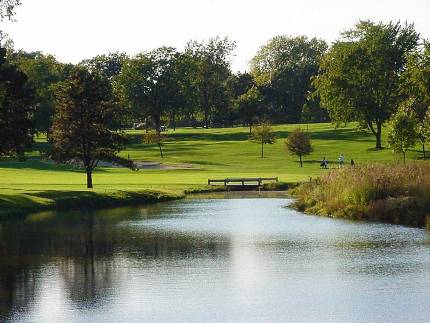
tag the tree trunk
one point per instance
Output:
(157, 123)
(262, 150)
(206, 118)
(161, 151)
(378, 136)
(89, 178)
(404, 157)
(250, 129)
(173, 120)
(301, 163)
(424, 151)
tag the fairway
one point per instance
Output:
(213, 153)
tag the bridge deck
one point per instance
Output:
(242, 181)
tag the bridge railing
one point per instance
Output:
(242, 181)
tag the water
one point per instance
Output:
(211, 260)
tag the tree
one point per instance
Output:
(262, 135)
(16, 109)
(423, 131)
(283, 68)
(299, 143)
(7, 8)
(85, 113)
(109, 65)
(155, 138)
(148, 84)
(359, 77)
(416, 87)
(43, 72)
(402, 134)
(416, 80)
(212, 61)
(250, 107)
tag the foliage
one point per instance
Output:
(423, 131)
(16, 109)
(402, 131)
(250, 107)
(389, 193)
(7, 8)
(360, 75)
(283, 68)
(109, 65)
(263, 135)
(299, 143)
(416, 80)
(84, 114)
(155, 138)
(149, 84)
(43, 72)
(212, 62)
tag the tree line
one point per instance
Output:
(371, 72)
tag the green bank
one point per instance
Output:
(191, 157)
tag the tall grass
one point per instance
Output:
(394, 193)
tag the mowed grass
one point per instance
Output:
(214, 153)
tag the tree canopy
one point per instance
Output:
(359, 77)
(263, 134)
(299, 143)
(85, 115)
(16, 109)
(402, 131)
(283, 69)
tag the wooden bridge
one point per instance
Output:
(242, 182)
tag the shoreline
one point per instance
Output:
(31, 202)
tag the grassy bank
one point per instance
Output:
(207, 153)
(392, 193)
(27, 201)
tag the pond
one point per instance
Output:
(236, 258)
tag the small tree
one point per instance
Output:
(423, 132)
(299, 144)
(262, 135)
(85, 114)
(155, 138)
(402, 134)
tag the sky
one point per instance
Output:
(74, 30)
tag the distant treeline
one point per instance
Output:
(363, 76)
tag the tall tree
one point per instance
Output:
(416, 80)
(82, 127)
(359, 77)
(148, 83)
(43, 72)
(213, 68)
(16, 109)
(283, 68)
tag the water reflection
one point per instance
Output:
(210, 259)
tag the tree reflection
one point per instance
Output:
(87, 248)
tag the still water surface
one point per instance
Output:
(211, 260)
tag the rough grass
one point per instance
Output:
(393, 193)
(215, 154)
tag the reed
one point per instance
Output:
(394, 193)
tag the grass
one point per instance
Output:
(214, 153)
(396, 193)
